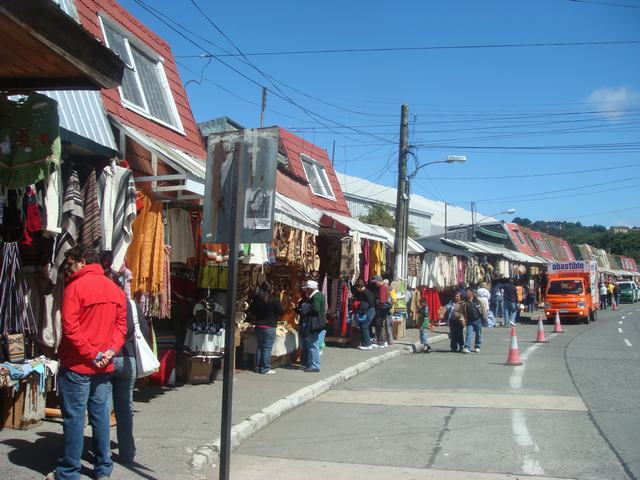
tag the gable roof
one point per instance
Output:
(190, 141)
(362, 189)
(291, 180)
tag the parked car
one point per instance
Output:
(629, 291)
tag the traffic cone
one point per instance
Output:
(540, 336)
(557, 328)
(513, 358)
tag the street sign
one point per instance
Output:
(257, 149)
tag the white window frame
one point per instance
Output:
(321, 173)
(164, 82)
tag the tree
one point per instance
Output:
(525, 222)
(380, 215)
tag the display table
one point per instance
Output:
(283, 347)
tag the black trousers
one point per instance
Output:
(456, 334)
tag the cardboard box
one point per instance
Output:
(13, 407)
(194, 370)
(399, 329)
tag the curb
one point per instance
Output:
(413, 347)
(207, 455)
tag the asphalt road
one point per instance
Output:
(571, 411)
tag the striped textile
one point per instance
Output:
(91, 230)
(117, 199)
(16, 315)
(72, 219)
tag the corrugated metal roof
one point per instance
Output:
(481, 248)
(290, 212)
(81, 112)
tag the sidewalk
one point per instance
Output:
(176, 428)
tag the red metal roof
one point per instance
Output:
(297, 190)
(539, 244)
(190, 141)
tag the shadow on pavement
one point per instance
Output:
(49, 446)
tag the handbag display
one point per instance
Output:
(146, 361)
(14, 348)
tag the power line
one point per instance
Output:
(428, 48)
(637, 207)
(581, 187)
(315, 116)
(548, 174)
(609, 4)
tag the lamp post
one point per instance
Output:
(402, 216)
(509, 211)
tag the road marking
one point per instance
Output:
(623, 317)
(530, 465)
(619, 330)
(250, 467)
(620, 322)
(422, 398)
(628, 343)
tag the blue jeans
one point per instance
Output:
(424, 336)
(499, 307)
(310, 348)
(510, 309)
(473, 326)
(265, 338)
(123, 381)
(80, 393)
(365, 337)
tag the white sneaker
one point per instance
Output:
(375, 345)
(477, 350)
(385, 345)
(370, 347)
(466, 350)
(270, 372)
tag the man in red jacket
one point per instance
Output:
(94, 324)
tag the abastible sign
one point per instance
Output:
(250, 158)
(576, 266)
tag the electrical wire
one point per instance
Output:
(430, 47)
(608, 4)
(315, 116)
(533, 175)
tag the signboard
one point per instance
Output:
(250, 158)
(568, 267)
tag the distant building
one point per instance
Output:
(427, 216)
(619, 229)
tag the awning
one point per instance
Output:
(494, 250)
(389, 233)
(186, 184)
(345, 225)
(292, 213)
(83, 121)
(436, 245)
(45, 49)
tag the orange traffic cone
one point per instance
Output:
(513, 358)
(540, 336)
(557, 328)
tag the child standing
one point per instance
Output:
(423, 322)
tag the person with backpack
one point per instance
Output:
(457, 321)
(313, 319)
(365, 310)
(474, 313)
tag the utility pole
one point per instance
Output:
(402, 199)
(445, 219)
(473, 221)
(263, 107)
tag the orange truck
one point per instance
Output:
(572, 290)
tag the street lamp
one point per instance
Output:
(402, 219)
(509, 211)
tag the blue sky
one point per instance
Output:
(520, 112)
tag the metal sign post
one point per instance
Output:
(239, 204)
(230, 327)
